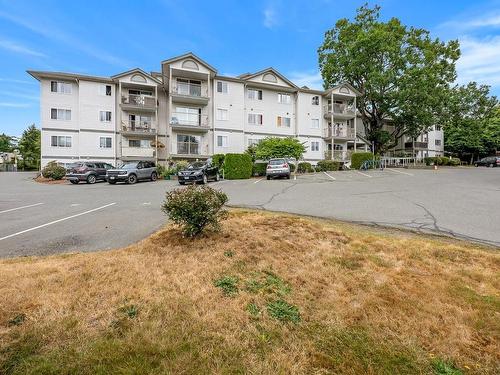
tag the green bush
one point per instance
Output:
(455, 162)
(195, 208)
(53, 171)
(305, 167)
(180, 165)
(259, 168)
(441, 160)
(358, 158)
(328, 165)
(218, 160)
(292, 167)
(237, 166)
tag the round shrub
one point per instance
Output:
(237, 166)
(304, 167)
(53, 171)
(358, 158)
(328, 165)
(195, 208)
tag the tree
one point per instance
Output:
(274, 147)
(472, 121)
(402, 73)
(29, 147)
(7, 143)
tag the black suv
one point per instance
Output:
(199, 171)
(490, 161)
(88, 171)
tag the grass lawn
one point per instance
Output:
(270, 294)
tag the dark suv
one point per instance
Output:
(88, 171)
(133, 171)
(199, 171)
(490, 161)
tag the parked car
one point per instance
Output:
(277, 168)
(88, 171)
(133, 171)
(199, 171)
(490, 161)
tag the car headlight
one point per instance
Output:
(122, 172)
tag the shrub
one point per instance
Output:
(54, 171)
(455, 162)
(237, 166)
(180, 165)
(328, 165)
(218, 160)
(358, 158)
(195, 208)
(259, 168)
(228, 285)
(304, 167)
(292, 167)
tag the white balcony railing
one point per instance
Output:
(189, 89)
(138, 126)
(339, 155)
(139, 101)
(189, 119)
(339, 133)
(145, 152)
(340, 109)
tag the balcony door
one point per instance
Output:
(188, 87)
(188, 115)
(139, 122)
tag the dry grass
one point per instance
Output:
(369, 302)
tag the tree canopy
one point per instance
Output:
(402, 73)
(274, 147)
(29, 147)
(7, 143)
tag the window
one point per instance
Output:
(255, 119)
(284, 98)
(140, 92)
(188, 87)
(60, 87)
(222, 141)
(254, 94)
(105, 142)
(142, 143)
(315, 123)
(60, 114)
(221, 114)
(314, 146)
(105, 90)
(253, 141)
(188, 144)
(105, 116)
(438, 127)
(437, 142)
(315, 100)
(60, 141)
(283, 122)
(222, 87)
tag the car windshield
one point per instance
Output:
(196, 165)
(277, 161)
(129, 166)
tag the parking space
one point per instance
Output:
(37, 219)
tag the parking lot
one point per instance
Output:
(38, 219)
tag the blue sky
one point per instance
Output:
(108, 37)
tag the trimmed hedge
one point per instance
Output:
(358, 158)
(259, 168)
(441, 160)
(292, 167)
(328, 165)
(218, 160)
(237, 166)
(304, 167)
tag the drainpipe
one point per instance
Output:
(355, 125)
(331, 122)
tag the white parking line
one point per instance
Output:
(333, 178)
(259, 180)
(20, 208)
(56, 221)
(364, 174)
(396, 171)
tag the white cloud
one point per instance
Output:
(480, 60)
(270, 17)
(309, 78)
(14, 105)
(491, 20)
(12, 46)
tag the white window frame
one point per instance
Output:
(143, 143)
(315, 123)
(221, 114)
(254, 94)
(255, 117)
(283, 122)
(253, 141)
(223, 87)
(61, 114)
(223, 141)
(315, 100)
(105, 142)
(284, 98)
(314, 146)
(103, 116)
(61, 141)
(103, 90)
(61, 87)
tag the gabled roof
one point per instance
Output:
(37, 74)
(248, 76)
(136, 70)
(192, 56)
(343, 84)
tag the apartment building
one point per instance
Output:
(186, 110)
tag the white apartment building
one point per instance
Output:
(187, 111)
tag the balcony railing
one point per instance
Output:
(138, 127)
(339, 133)
(339, 155)
(139, 101)
(189, 89)
(189, 119)
(341, 109)
(188, 148)
(416, 145)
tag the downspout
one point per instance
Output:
(355, 125)
(331, 123)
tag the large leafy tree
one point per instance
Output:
(274, 147)
(29, 147)
(7, 143)
(402, 73)
(472, 121)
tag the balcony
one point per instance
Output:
(341, 111)
(138, 128)
(138, 102)
(189, 122)
(416, 145)
(138, 152)
(183, 92)
(339, 155)
(339, 133)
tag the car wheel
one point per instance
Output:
(132, 179)
(268, 177)
(182, 183)
(74, 181)
(491, 165)
(154, 176)
(112, 182)
(91, 179)
(204, 180)
(287, 176)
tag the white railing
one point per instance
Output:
(146, 152)
(386, 161)
(339, 133)
(138, 127)
(337, 108)
(143, 101)
(339, 155)
(189, 119)
(189, 89)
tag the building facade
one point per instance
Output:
(187, 111)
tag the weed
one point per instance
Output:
(228, 285)
(253, 309)
(445, 368)
(352, 263)
(130, 311)
(17, 320)
(228, 253)
(283, 311)
(268, 283)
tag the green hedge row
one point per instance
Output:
(259, 168)
(328, 165)
(358, 158)
(237, 166)
(305, 167)
(441, 160)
